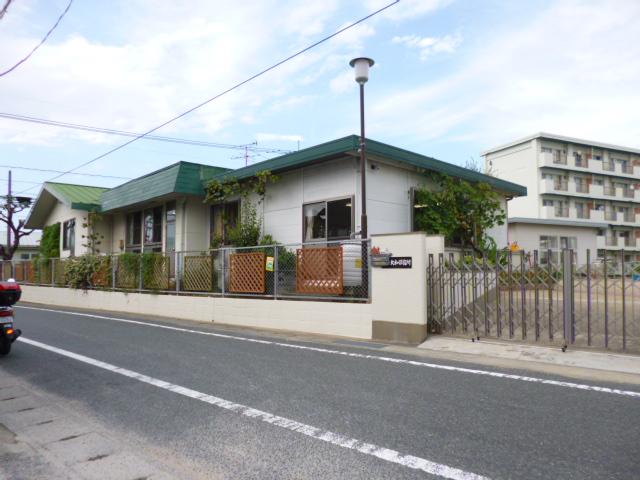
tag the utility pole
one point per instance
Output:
(9, 211)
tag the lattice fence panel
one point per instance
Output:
(155, 272)
(59, 272)
(127, 274)
(19, 272)
(44, 272)
(198, 270)
(102, 276)
(30, 272)
(7, 272)
(319, 271)
(247, 273)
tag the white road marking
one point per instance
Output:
(382, 453)
(399, 361)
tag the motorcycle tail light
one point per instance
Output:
(9, 331)
(6, 313)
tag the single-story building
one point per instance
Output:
(316, 198)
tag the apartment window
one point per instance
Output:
(134, 232)
(598, 181)
(25, 256)
(581, 210)
(328, 220)
(568, 242)
(547, 203)
(579, 159)
(223, 218)
(546, 150)
(69, 236)
(153, 229)
(170, 228)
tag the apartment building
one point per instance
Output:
(582, 194)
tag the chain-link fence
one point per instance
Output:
(537, 297)
(336, 270)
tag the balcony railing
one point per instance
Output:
(611, 216)
(563, 186)
(608, 166)
(626, 169)
(611, 241)
(629, 217)
(562, 212)
(583, 214)
(629, 242)
(610, 191)
(559, 159)
(628, 193)
(582, 188)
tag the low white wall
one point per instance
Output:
(326, 318)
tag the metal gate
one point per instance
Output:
(543, 297)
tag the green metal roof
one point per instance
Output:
(79, 197)
(179, 178)
(350, 144)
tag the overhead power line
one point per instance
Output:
(230, 89)
(110, 131)
(33, 169)
(41, 41)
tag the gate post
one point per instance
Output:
(567, 295)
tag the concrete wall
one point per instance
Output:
(399, 296)
(326, 318)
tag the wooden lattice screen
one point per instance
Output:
(19, 272)
(247, 273)
(30, 272)
(197, 273)
(6, 271)
(319, 270)
(102, 276)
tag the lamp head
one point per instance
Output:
(361, 67)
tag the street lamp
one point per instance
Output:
(361, 67)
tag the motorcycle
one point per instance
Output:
(10, 293)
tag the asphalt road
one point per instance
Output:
(451, 422)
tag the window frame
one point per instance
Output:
(69, 242)
(352, 227)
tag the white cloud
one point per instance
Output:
(533, 75)
(158, 67)
(430, 45)
(408, 9)
(343, 82)
(277, 137)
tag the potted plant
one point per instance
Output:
(378, 258)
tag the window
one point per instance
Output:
(153, 226)
(547, 203)
(223, 217)
(69, 236)
(330, 220)
(25, 256)
(170, 219)
(134, 232)
(568, 242)
(550, 244)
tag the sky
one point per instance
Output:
(451, 79)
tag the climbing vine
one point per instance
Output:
(221, 190)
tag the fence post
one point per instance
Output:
(589, 297)
(567, 294)
(114, 259)
(140, 284)
(176, 269)
(624, 309)
(275, 271)
(606, 301)
(53, 274)
(523, 297)
(369, 267)
(223, 263)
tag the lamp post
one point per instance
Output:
(361, 67)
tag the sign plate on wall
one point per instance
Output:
(400, 262)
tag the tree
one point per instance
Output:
(12, 207)
(459, 210)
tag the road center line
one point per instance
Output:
(399, 361)
(370, 449)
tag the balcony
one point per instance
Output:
(552, 159)
(628, 169)
(582, 188)
(561, 186)
(611, 216)
(629, 217)
(609, 190)
(561, 212)
(611, 241)
(628, 242)
(583, 214)
(628, 193)
(581, 162)
(597, 215)
(608, 167)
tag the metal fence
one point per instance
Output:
(543, 297)
(335, 270)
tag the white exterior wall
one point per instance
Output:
(196, 224)
(528, 237)
(60, 214)
(518, 164)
